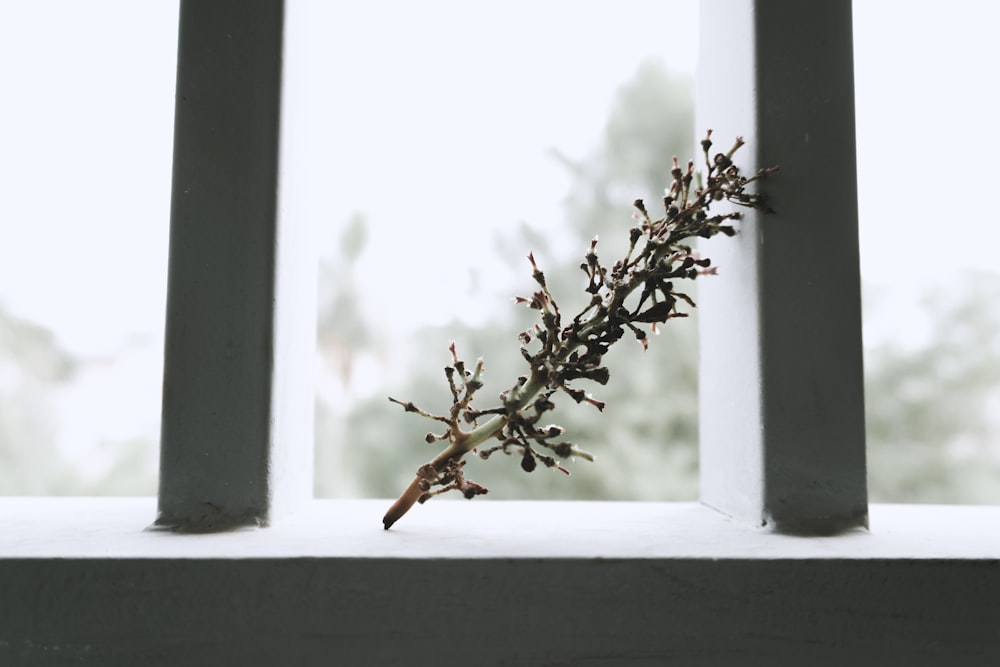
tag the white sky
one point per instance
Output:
(928, 102)
(434, 118)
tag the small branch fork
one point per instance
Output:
(638, 290)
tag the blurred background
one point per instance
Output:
(446, 140)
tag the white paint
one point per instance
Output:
(731, 441)
(112, 528)
(495, 583)
(781, 408)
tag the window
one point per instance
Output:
(425, 212)
(85, 172)
(556, 583)
(932, 365)
(803, 446)
(944, 456)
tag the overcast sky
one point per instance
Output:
(435, 118)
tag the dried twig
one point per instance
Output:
(638, 290)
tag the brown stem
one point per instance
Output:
(461, 444)
(412, 494)
(403, 504)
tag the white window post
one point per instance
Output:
(782, 410)
(237, 393)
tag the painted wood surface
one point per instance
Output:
(484, 583)
(782, 431)
(508, 612)
(237, 390)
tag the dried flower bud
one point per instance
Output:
(706, 143)
(721, 161)
(543, 404)
(659, 312)
(470, 490)
(600, 375)
(527, 460)
(563, 450)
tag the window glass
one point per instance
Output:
(927, 105)
(452, 139)
(85, 143)
(448, 139)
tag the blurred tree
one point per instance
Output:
(342, 328)
(31, 365)
(651, 120)
(44, 450)
(343, 332)
(934, 412)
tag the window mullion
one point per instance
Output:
(782, 416)
(228, 451)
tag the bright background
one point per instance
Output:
(436, 121)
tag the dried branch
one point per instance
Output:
(638, 290)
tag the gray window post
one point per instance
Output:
(782, 410)
(236, 441)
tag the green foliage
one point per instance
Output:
(932, 412)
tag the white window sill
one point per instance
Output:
(115, 528)
(495, 583)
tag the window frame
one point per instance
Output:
(782, 416)
(497, 583)
(782, 423)
(493, 583)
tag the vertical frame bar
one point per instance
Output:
(229, 358)
(782, 410)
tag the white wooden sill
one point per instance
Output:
(495, 582)
(43, 528)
